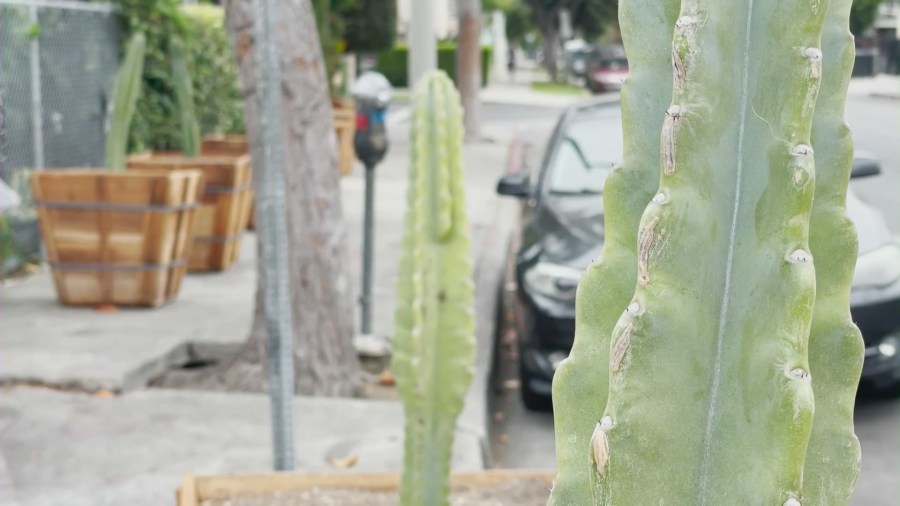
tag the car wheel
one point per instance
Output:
(533, 401)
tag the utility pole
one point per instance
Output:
(421, 40)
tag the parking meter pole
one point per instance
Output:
(372, 93)
(368, 240)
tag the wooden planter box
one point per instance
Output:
(116, 238)
(197, 489)
(229, 145)
(237, 145)
(225, 204)
(345, 128)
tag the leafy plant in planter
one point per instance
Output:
(114, 237)
(713, 363)
(227, 196)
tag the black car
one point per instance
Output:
(562, 232)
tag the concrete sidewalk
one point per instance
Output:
(73, 448)
(882, 86)
(79, 450)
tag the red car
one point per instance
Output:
(607, 73)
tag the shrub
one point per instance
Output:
(217, 99)
(392, 63)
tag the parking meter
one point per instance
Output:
(372, 93)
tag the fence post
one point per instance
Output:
(37, 106)
(270, 201)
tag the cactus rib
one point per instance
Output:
(711, 403)
(580, 384)
(434, 345)
(835, 344)
(127, 88)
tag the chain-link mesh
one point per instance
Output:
(58, 119)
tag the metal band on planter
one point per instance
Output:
(99, 206)
(216, 189)
(69, 266)
(219, 239)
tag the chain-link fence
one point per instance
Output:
(58, 60)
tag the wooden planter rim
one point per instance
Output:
(195, 489)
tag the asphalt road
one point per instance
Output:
(525, 440)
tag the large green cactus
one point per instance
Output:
(710, 395)
(434, 344)
(835, 344)
(127, 89)
(580, 384)
(184, 92)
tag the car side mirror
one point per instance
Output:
(865, 167)
(514, 184)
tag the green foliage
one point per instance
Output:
(434, 346)
(217, 100)
(862, 15)
(125, 97)
(519, 23)
(184, 92)
(369, 25)
(589, 17)
(707, 376)
(392, 63)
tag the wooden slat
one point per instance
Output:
(234, 486)
(187, 494)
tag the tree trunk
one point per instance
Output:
(468, 65)
(550, 43)
(325, 361)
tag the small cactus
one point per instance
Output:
(125, 95)
(184, 92)
(712, 363)
(434, 344)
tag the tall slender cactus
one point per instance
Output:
(127, 89)
(710, 394)
(434, 345)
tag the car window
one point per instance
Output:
(587, 149)
(613, 64)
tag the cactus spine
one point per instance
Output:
(710, 394)
(835, 344)
(184, 92)
(127, 89)
(434, 345)
(580, 384)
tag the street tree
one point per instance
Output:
(468, 65)
(325, 361)
(862, 15)
(588, 17)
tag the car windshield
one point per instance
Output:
(589, 147)
(613, 64)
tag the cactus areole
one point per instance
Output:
(703, 392)
(434, 343)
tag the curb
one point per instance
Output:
(475, 416)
